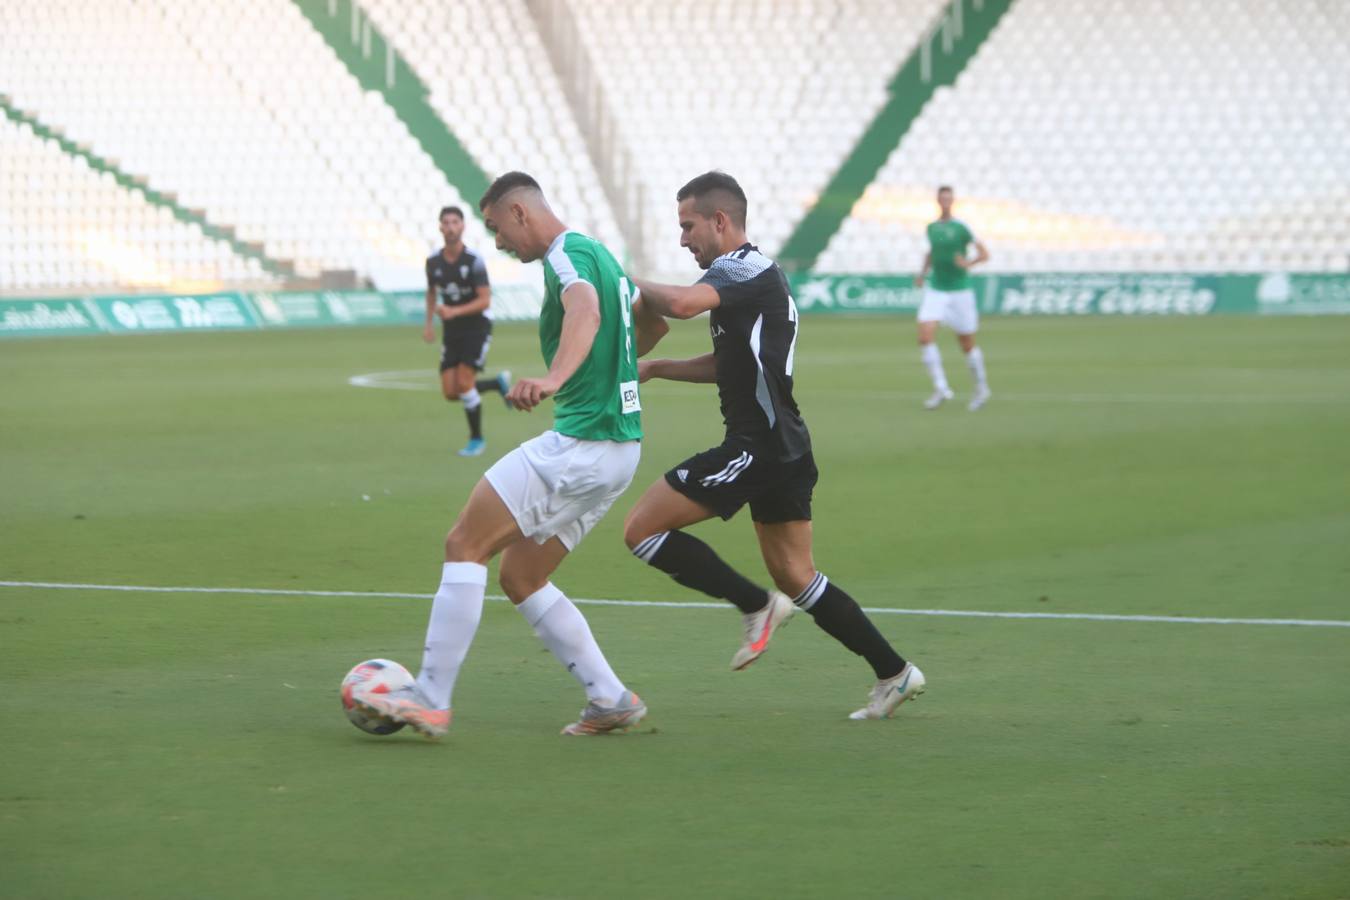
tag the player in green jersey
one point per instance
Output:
(537, 502)
(948, 298)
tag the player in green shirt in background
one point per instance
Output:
(537, 502)
(948, 298)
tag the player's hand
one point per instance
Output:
(527, 393)
(918, 281)
(428, 334)
(445, 312)
(962, 262)
(645, 373)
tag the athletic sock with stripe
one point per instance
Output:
(693, 564)
(840, 616)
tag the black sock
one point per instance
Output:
(475, 417)
(488, 384)
(693, 564)
(840, 616)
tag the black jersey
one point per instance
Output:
(754, 335)
(457, 283)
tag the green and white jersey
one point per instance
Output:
(949, 238)
(600, 401)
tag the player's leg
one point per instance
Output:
(485, 526)
(571, 484)
(715, 483)
(499, 383)
(454, 389)
(525, 572)
(931, 311)
(786, 547)
(652, 532)
(783, 525)
(964, 319)
(473, 408)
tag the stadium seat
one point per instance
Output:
(1165, 134)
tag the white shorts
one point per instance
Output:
(955, 309)
(560, 486)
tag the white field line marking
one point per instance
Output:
(422, 380)
(959, 613)
(407, 380)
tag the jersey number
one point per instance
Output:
(626, 309)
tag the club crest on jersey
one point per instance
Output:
(463, 271)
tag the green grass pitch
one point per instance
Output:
(171, 745)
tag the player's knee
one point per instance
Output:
(635, 531)
(791, 578)
(452, 395)
(460, 546)
(519, 586)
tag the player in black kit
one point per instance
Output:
(457, 277)
(765, 459)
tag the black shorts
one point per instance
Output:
(725, 478)
(467, 348)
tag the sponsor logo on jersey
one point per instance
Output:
(716, 330)
(628, 396)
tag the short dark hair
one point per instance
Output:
(945, 187)
(713, 191)
(504, 185)
(452, 210)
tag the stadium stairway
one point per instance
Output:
(139, 184)
(937, 61)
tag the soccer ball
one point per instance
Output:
(380, 676)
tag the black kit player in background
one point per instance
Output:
(765, 459)
(457, 277)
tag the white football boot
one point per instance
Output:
(887, 695)
(597, 719)
(980, 398)
(406, 705)
(938, 398)
(759, 629)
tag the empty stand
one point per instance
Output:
(775, 92)
(494, 86)
(243, 111)
(1148, 135)
(64, 224)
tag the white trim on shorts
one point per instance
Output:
(955, 309)
(560, 486)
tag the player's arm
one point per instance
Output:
(981, 255)
(675, 302)
(924, 269)
(699, 370)
(480, 302)
(580, 324)
(428, 333)
(648, 326)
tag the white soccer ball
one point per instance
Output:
(379, 676)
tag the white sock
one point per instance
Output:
(471, 398)
(563, 629)
(454, 620)
(975, 359)
(932, 359)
